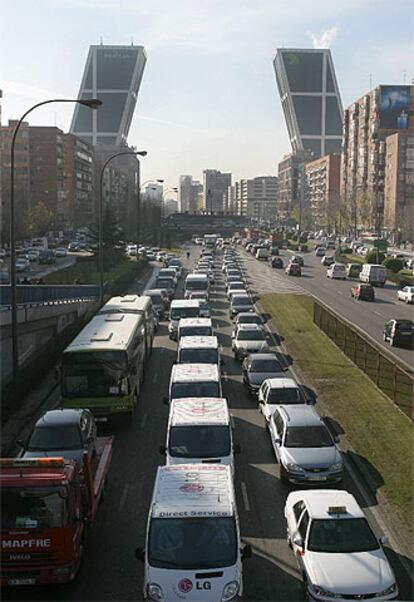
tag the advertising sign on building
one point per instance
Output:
(394, 107)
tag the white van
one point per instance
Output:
(198, 350)
(192, 549)
(181, 308)
(262, 254)
(373, 274)
(194, 380)
(195, 327)
(196, 282)
(199, 431)
(336, 271)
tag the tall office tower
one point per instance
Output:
(188, 192)
(215, 184)
(113, 74)
(310, 99)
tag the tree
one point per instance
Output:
(41, 219)
(111, 237)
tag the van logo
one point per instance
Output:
(191, 488)
(185, 586)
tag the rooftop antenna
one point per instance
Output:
(404, 76)
(101, 40)
(132, 41)
(370, 81)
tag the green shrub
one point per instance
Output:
(393, 265)
(375, 256)
(345, 250)
(406, 278)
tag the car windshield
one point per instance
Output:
(195, 389)
(199, 356)
(192, 543)
(235, 285)
(242, 301)
(308, 436)
(251, 335)
(91, 374)
(405, 325)
(197, 285)
(156, 299)
(184, 312)
(48, 438)
(165, 282)
(265, 366)
(195, 331)
(33, 507)
(343, 536)
(250, 319)
(199, 441)
(284, 395)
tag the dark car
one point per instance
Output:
(293, 269)
(67, 433)
(298, 259)
(327, 260)
(257, 367)
(399, 332)
(274, 251)
(276, 262)
(47, 256)
(363, 292)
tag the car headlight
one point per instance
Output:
(154, 592)
(294, 467)
(337, 466)
(392, 589)
(230, 591)
(321, 591)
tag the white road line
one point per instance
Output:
(123, 497)
(245, 497)
(339, 292)
(232, 421)
(378, 313)
(144, 420)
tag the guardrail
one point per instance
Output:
(394, 380)
(43, 293)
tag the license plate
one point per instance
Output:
(317, 478)
(22, 581)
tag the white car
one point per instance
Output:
(248, 338)
(338, 554)
(278, 391)
(22, 264)
(406, 294)
(60, 252)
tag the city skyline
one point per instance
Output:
(208, 98)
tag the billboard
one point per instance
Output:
(394, 107)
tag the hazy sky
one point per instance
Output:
(208, 97)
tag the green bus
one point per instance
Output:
(372, 242)
(103, 367)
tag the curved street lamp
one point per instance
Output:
(92, 103)
(142, 153)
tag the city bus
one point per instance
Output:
(134, 304)
(373, 242)
(103, 367)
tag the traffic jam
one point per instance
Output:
(193, 548)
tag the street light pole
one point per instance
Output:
(100, 216)
(92, 103)
(160, 181)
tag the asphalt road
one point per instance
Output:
(110, 570)
(369, 316)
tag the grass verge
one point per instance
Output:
(376, 430)
(86, 273)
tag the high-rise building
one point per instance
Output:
(368, 122)
(47, 173)
(257, 197)
(399, 186)
(154, 191)
(291, 184)
(188, 193)
(80, 184)
(215, 184)
(322, 190)
(310, 99)
(113, 74)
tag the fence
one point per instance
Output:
(43, 293)
(395, 381)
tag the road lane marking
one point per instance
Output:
(377, 312)
(245, 497)
(123, 497)
(232, 421)
(339, 292)
(144, 420)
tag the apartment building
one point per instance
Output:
(399, 186)
(322, 190)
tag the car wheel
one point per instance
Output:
(392, 343)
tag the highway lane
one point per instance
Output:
(110, 570)
(368, 316)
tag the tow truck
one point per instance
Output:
(48, 506)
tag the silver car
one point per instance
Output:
(303, 446)
(259, 366)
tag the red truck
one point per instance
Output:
(48, 504)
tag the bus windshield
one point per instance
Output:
(33, 507)
(192, 543)
(94, 373)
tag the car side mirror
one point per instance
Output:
(140, 554)
(277, 440)
(298, 541)
(162, 450)
(384, 540)
(166, 400)
(236, 448)
(246, 552)
(336, 438)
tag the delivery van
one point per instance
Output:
(181, 308)
(373, 274)
(192, 550)
(195, 327)
(198, 350)
(194, 380)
